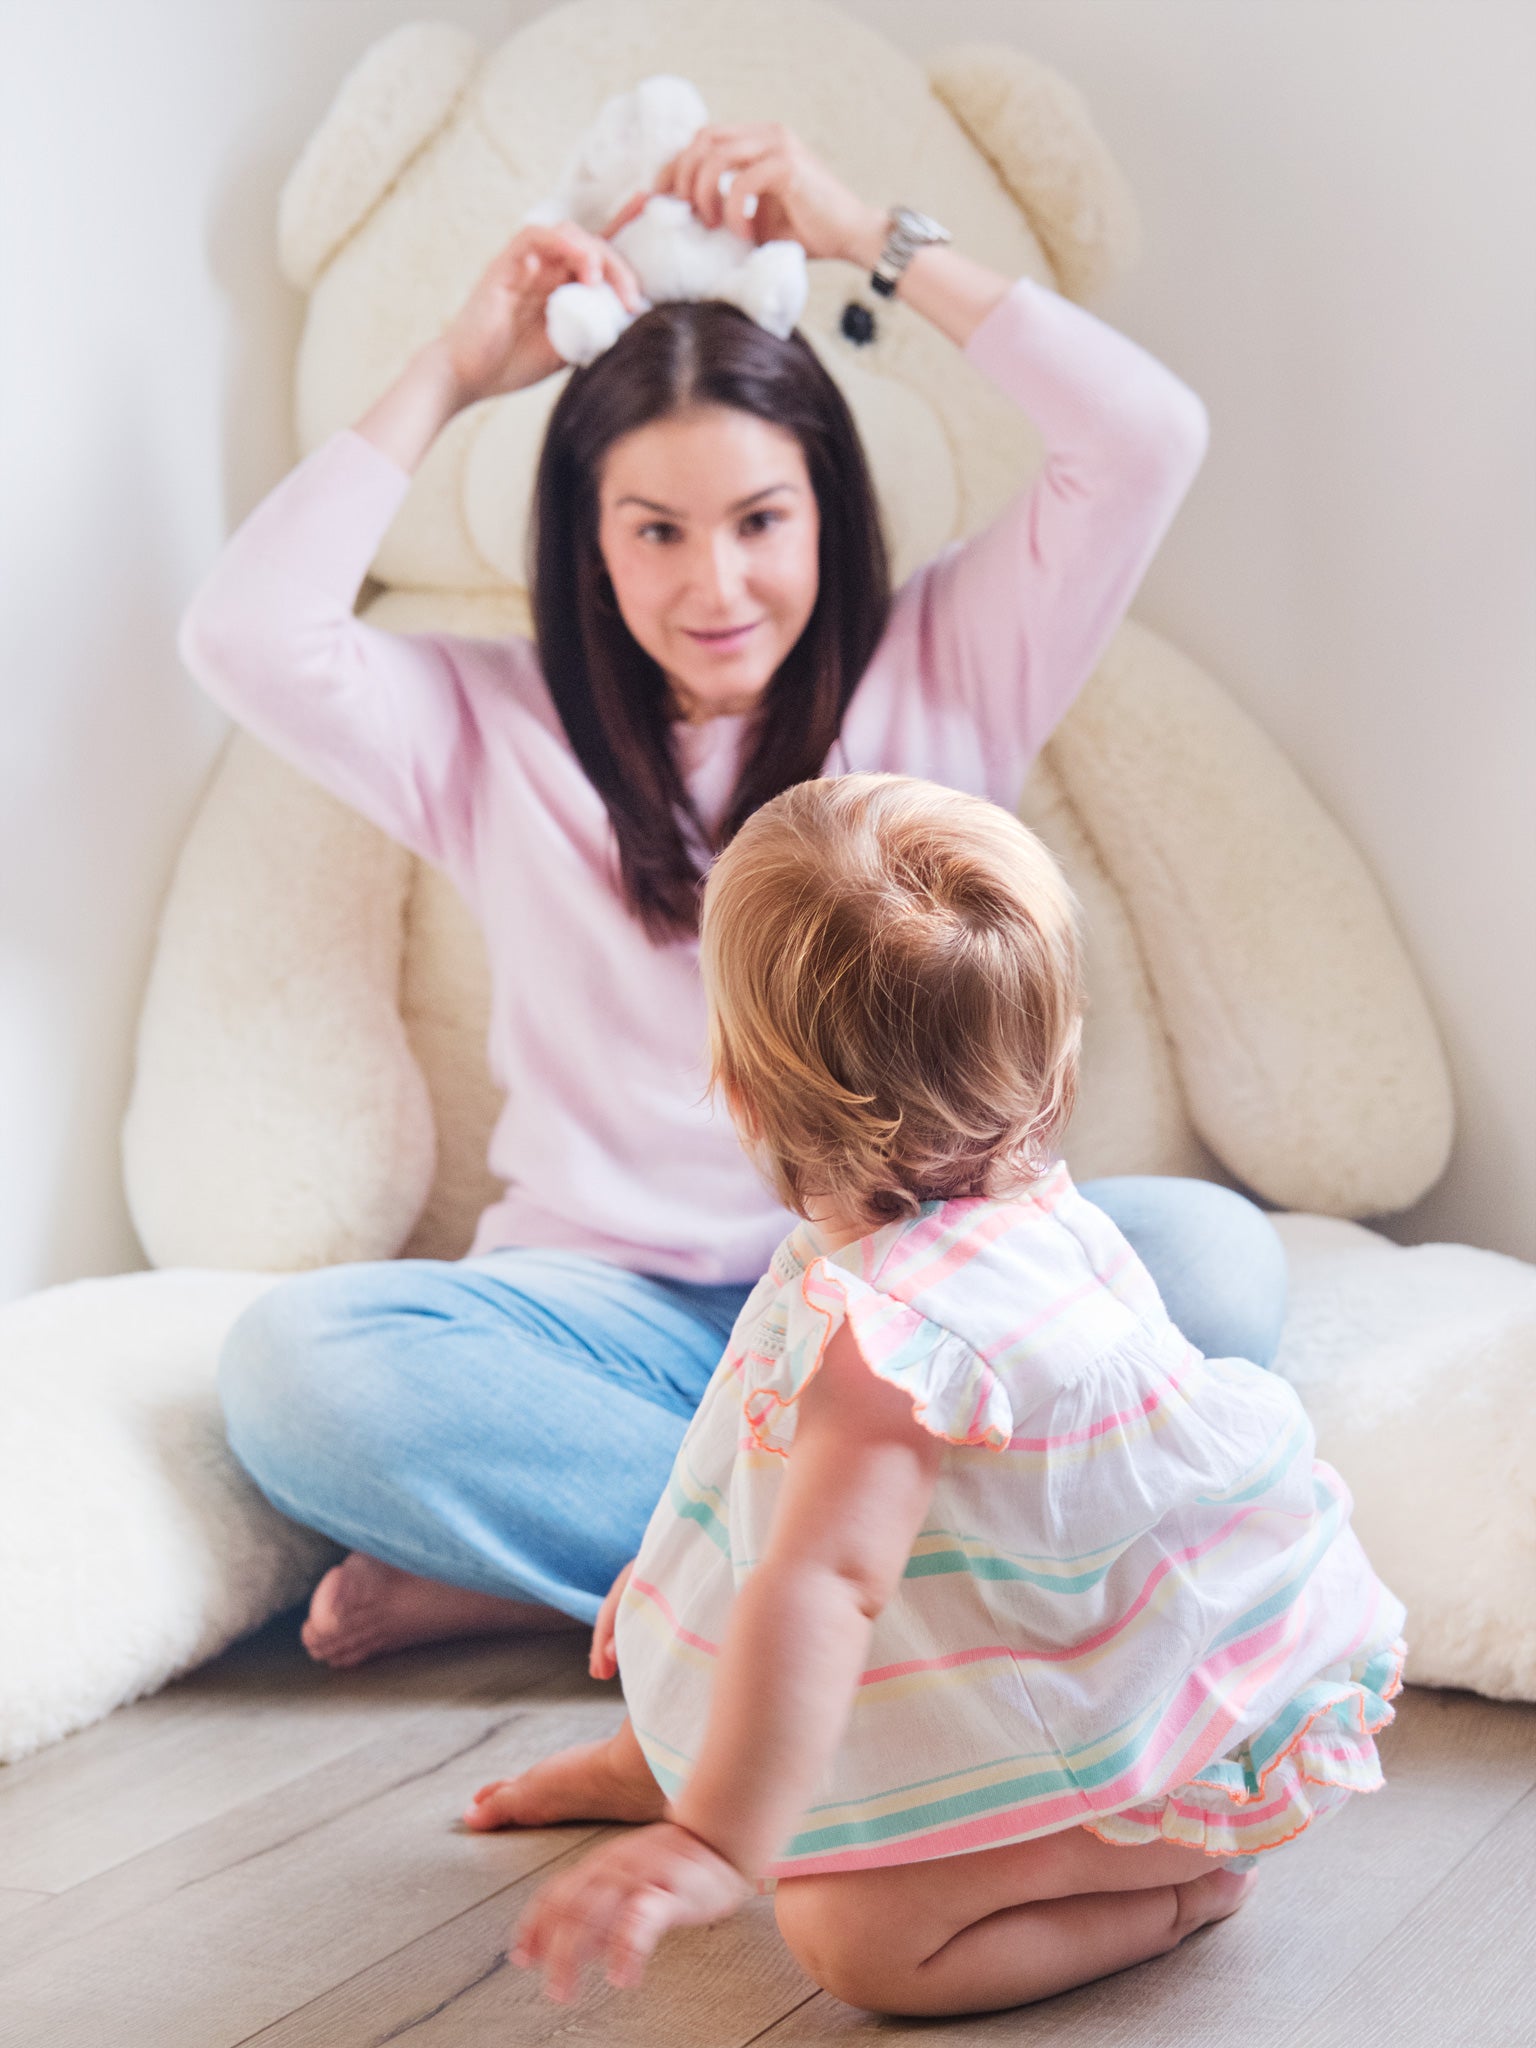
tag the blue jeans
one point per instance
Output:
(507, 1423)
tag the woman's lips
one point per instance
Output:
(724, 643)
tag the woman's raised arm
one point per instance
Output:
(384, 721)
(376, 718)
(1007, 625)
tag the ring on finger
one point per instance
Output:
(723, 186)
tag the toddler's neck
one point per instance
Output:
(834, 1227)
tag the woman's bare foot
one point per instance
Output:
(1209, 1898)
(593, 1781)
(361, 1608)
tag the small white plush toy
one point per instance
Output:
(672, 253)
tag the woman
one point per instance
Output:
(488, 1436)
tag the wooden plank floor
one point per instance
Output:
(267, 1853)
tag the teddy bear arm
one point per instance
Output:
(278, 1119)
(1036, 132)
(1303, 1042)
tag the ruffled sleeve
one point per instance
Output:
(954, 1393)
(1315, 1753)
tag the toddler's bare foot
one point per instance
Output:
(362, 1608)
(593, 1781)
(1211, 1897)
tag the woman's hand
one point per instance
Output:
(603, 1662)
(617, 1903)
(496, 342)
(797, 197)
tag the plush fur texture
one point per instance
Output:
(1416, 1366)
(311, 1083)
(1069, 186)
(295, 950)
(671, 252)
(393, 101)
(1308, 1061)
(131, 1544)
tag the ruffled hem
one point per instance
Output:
(955, 1395)
(1309, 1760)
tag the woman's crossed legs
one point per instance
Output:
(488, 1436)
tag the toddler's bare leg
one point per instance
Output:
(608, 1780)
(999, 1927)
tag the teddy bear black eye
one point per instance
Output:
(858, 324)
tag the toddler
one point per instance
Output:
(985, 1616)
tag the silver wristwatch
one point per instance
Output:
(909, 232)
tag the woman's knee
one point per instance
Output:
(291, 1382)
(1215, 1256)
(1244, 1275)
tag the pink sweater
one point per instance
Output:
(606, 1143)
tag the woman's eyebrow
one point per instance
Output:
(651, 505)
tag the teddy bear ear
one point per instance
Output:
(1036, 132)
(389, 105)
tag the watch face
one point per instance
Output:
(921, 227)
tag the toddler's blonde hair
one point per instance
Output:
(895, 994)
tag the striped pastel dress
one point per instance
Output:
(1136, 1603)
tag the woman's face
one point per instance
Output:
(708, 527)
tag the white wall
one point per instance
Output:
(144, 404)
(1338, 197)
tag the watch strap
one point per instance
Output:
(909, 231)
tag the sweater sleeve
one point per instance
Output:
(382, 720)
(1000, 631)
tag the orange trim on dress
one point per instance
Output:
(1238, 1800)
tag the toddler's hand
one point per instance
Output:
(603, 1662)
(617, 1903)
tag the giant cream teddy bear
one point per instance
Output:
(311, 1083)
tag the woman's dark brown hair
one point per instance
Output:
(610, 694)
